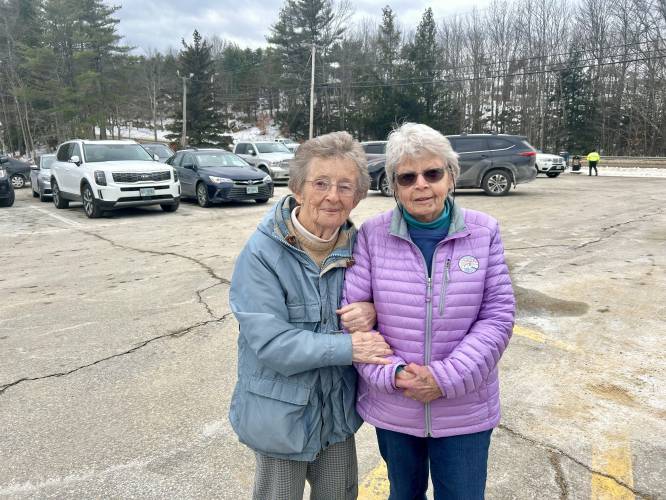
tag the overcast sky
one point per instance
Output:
(160, 24)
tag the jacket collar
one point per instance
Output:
(277, 224)
(457, 228)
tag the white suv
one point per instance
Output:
(105, 175)
(271, 157)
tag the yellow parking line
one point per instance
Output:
(614, 460)
(540, 337)
(375, 485)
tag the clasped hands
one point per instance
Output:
(418, 383)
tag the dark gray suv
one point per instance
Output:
(493, 162)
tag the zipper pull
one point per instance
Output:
(429, 291)
(448, 266)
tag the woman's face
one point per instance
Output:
(424, 200)
(328, 195)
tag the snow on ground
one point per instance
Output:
(624, 172)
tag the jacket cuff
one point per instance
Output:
(339, 350)
(441, 379)
(391, 372)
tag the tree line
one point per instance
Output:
(572, 76)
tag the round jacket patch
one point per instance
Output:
(468, 264)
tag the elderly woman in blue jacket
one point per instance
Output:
(294, 402)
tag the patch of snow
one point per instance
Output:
(623, 172)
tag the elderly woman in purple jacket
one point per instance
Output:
(441, 288)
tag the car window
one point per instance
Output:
(63, 151)
(271, 147)
(497, 143)
(241, 149)
(375, 148)
(115, 152)
(469, 144)
(45, 162)
(188, 159)
(159, 149)
(76, 151)
(220, 160)
(175, 160)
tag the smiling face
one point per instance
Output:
(423, 200)
(323, 212)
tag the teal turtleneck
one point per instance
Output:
(426, 235)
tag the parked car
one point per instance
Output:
(216, 175)
(271, 157)
(492, 162)
(162, 151)
(18, 171)
(40, 177)
(551, 165)
(374, 149)
(106, 175)
(6, 188)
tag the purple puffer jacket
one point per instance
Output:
(458, 322)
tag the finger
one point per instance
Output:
(344, 309)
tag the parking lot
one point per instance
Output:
(117, 347)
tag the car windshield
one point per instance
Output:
(159, 149)
(46, 161)
(272, 147)
(115, 152)
(220, 160)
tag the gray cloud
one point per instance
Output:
(161, 24)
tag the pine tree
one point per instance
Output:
(203, 120)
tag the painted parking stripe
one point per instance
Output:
(56, 216)
(612, 457)
(375, 485)
(540, 337)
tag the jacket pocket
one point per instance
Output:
(305, 316)
(272, 416)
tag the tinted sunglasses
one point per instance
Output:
(431, 176)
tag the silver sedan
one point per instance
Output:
(40, 177)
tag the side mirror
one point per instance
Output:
(253, 152)
(189, 166)
(156, 157)
(34, 167)
(75, 159)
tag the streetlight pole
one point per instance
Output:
(312, 91)
(183, 137)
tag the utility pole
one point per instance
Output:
(183, 137)
(312, 78)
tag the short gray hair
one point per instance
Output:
(332, 145)
(415, 140)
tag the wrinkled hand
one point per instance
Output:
(358, 317)
(370, 347)
(421, 386)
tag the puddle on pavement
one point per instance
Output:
(531, 301)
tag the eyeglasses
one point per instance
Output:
(344, 189)
(431, 176)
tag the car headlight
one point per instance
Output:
(219, 180)
(3, 173)
(267, 179)
(100, 178)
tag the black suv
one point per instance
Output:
(493, 162)
(6, 188)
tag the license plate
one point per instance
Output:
(252, 189)
(147, 192)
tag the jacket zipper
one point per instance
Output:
(445, 285)
(428, 340)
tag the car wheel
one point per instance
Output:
(90, 205)
(265, 170)
(261, 201)
(43, 197)
(202, 195)
(385, 186)
(58, 200)
(8, 202)
(18, 181)
(496, 183)
(553, 174)
(170, 207)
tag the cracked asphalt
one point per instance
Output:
(117, 347)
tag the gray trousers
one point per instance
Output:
(333, 475)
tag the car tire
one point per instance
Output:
(58, 200)
(202, 195)
(552, 175)
(43, 197)
(90, 205)
(18, 181)
(170, 207)
(8, 202)
(265, 169)
(261, 201)
(385, 186)
(496, 183)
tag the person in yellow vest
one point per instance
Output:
(592, 160)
